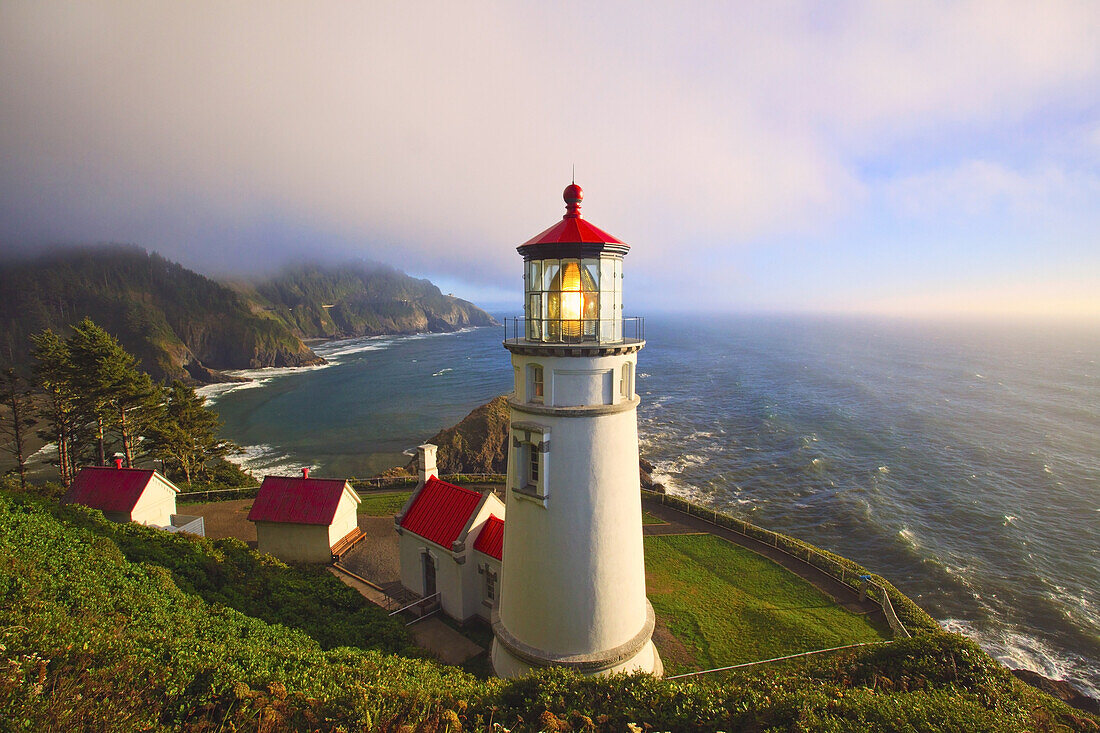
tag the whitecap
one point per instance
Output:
(441, 372)
(267, 460)
(884, 469)
(1009, 519)
(1020, 651)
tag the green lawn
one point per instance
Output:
(728, 605)
(648, 518)
(381, 505)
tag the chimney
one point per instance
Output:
(118, 463)
(425, 459)
(305, 472)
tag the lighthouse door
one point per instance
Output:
(429, 576)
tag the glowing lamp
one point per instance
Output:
(573, 275)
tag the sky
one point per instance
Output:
(908, 158)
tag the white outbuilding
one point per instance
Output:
(451, 540)
(305, 519)
(131, 495)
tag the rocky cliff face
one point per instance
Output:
(479, 444)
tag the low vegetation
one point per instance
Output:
(383, 505)
(729, 605)
(105, 628)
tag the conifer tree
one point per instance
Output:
(18, 420)
(114, 393)
(53, 379)
(186, 435)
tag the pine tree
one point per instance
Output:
(115, 395)
(186, 435)
(16, 398)
(53, 379)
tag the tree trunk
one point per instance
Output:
(62, 458)
(102, 446)
(17, 418)
(125, 437)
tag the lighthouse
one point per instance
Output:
(572, 586)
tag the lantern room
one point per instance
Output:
(573, 275)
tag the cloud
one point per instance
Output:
(980, 187)
(439, 136)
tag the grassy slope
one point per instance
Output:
(92, 641)
(730, 605)
(383, 505)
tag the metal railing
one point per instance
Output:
(777, 659)
(376, 483)
(575, 330)
(415, 603)
(840, 569)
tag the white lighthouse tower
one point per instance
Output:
(572, 587)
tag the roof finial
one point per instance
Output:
(572, 195)
(574, 179)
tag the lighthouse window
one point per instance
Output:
(624, 384)
(533, 465)
(527, 460)
(573, 301)
(535, 388)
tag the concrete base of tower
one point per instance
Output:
(508, 665)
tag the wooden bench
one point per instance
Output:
(347, 542)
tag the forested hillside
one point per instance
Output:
(181, 324)
(177, 322)
(360, 299)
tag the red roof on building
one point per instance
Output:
(572, 229)
(440, 511)
(297, 500)
(108, 489)
(491, 539)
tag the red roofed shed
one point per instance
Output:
(297, 500)
(125, 494)
(303, 519)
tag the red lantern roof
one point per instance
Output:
(297, 500)
(491, 539)
(109, 489)
(572, 229)
(440, 512)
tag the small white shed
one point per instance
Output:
(450, 542)
(125, 494)
(303, 519)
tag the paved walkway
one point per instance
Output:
(680, 523)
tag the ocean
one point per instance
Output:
(961, 461)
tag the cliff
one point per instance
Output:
(359, 299)
(183, 325)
